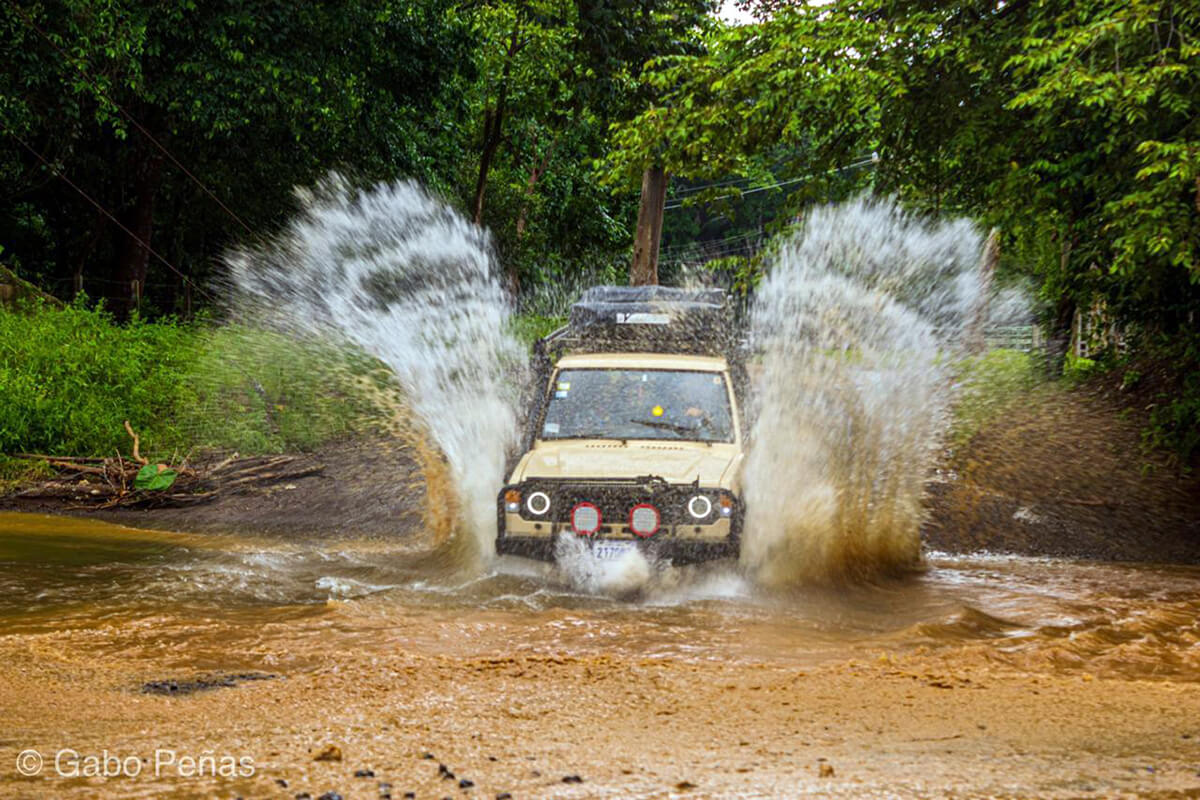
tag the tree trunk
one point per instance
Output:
(535, 175)
(644, 269)
(134, 254)
(493, 121)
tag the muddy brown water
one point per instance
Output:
(115, 607)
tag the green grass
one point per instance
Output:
(528, 328)
(255, 391)
(989, 384)
(70, 377)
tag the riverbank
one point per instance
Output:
(1062, 472)
(1020, 486)
(369, 486)
(1032, 468)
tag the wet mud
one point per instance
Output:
(979, 675)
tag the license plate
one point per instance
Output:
(611, 551)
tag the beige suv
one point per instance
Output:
(635, 438)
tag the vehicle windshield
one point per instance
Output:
(638, 404)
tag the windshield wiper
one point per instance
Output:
(591, 435)
(682, 430)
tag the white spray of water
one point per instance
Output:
(584, 571)
(860, 321)
(401, 275)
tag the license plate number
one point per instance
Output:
(611, 551)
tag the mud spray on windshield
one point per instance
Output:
(854, 332)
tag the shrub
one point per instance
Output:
(70, 377)
(257, 391)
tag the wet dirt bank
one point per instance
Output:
(1063, 473)
(369, 487)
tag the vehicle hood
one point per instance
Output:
(675, 462)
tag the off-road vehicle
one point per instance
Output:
(634, 436)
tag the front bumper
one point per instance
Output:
(681, 539)
(677, 551)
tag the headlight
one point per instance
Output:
(512, 501)
(538, 503)
(699, 506)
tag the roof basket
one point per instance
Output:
(657, 319)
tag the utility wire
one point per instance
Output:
(717, 185)
(679, 204)
(106, 213)
(703, 247)
(96, 87)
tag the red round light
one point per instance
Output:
(585, 519)
(644, 519)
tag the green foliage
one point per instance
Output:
(528, 328)
(16, 471)
(1073, 128)
(1175, 412)
(152, 479)
(252, 96)
(990, 384)
(255, 391)
(553, 76)
(69, 378)
(1077, 368)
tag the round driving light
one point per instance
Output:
(538, 503)
(585, 519)
(699, 506)
(644, 519)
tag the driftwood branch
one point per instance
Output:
(102, 483)
(136, 455)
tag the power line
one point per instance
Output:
(693, 247)
(96, 87)
(717, 185)
(106, 213)
(871, 159)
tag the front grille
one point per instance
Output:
(615, 499)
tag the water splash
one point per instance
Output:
(582, 570)
(400, 275)
(860, 321)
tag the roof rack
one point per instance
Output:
(655, 319)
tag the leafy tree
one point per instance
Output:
(1074, 129)
(554, 75)
(252, 96)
